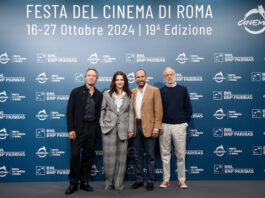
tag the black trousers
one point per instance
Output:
(84, 144)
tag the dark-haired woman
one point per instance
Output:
(117, 125)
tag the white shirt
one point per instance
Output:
(139, 98)
(118, 101)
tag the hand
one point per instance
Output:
(130, 134)
(155, 134)
(72, 135)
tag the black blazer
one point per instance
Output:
(76, 105)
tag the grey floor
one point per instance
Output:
(197, 189)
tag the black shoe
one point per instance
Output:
(137, 185)
(71, 189)
(150, 186)
(85, 186)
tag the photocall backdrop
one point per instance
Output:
(216, 47)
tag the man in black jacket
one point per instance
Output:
(83, 113)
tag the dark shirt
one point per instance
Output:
(176, 104)
(90, 108)
(76, 105)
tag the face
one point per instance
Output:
(140, 78)
(91, 77)
(169, 76)
(119, 82)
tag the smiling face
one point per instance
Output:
(140, 78)
(91, 77)
(119, 82)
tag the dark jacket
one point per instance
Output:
(76, 105)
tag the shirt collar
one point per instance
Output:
(144, 88)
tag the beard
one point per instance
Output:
(141, 85)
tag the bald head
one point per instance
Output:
(169, 75)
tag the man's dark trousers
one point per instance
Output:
(80, 169)
(143, 144)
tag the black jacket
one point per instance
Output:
(76, 105)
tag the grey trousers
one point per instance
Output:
(115, 156)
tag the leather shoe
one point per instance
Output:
(71, 189)
(150, 186)
(85, 186)
(137, 185)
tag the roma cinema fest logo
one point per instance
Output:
(254, 20)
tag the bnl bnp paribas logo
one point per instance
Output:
(254, 20)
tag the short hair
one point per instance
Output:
(141, 70)
(93, 69)
(168, 68)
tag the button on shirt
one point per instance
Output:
(118, 101)
(89, 111)
(139, 98)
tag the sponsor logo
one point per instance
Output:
(229, 169)
(13, 134)
(94, 170)
(179, 77)
(50, 133)
(131, 77)
(53, 58)
(219, 114)
(192, 58)
(141, 58)
(14, 97)
(12, 116)
(99, 153)
(42, 115)
(223, 57)
(228, 95)
(195, 170)
(79, 77)
(54, 152)
(229, 132)
(94, 59)
(12, 79)
(257, 76)
(219, 77)
(3, 171)
(42, 78)
(42, 152)
(194, 152)
(254, 20)
(258, 113)
(220, 151)
(197, 115)
(50, 96)
(15, 58)
(4, 58)
(217, 95)
(11, 153)
(54, 78)
(195, 133)
(3, 96)
(195, 96)
(3, 134)
(257, 150)
(50, 170)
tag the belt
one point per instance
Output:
(138, 120)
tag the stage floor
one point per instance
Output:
(197, 189)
